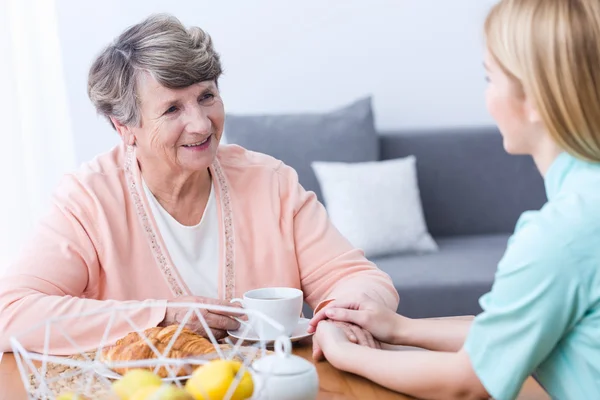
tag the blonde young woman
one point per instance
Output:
(542, 316)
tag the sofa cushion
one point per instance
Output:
(448, 282)
(393, 222)
(346, 135)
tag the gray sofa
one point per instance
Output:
(472, 193)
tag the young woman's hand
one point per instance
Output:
(370, 315)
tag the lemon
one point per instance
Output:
(164, 392)
(211, 381)
(134, 380)
(144, 393)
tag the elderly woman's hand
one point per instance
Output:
(353, 333)
(219, 322)
(333, 340)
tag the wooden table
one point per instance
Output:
(334, 384)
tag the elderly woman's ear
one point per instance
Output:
(124, 131)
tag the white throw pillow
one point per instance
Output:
(376, 205)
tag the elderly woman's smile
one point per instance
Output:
(202, 145)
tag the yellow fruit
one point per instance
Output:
(71, 396)
(144, 393)
(134, 380)
(164, 392)
(212, 380)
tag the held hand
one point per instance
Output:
(218, 322)
(352, 334)
(370, 315)
(333, 341)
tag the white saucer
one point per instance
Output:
(298, 334)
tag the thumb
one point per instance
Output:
(317, 352)
(355, 317)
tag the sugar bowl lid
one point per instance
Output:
(283, 362)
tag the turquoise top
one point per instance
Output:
(542, 315)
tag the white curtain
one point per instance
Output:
(36, 146)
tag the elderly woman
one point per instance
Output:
(172, 215)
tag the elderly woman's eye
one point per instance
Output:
(207, 97)
(171, 110)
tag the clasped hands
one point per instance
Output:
(362, 322)
(341, 324)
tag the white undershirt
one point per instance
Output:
(193, 249)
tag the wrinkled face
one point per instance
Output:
(180, 129)
(509, 107)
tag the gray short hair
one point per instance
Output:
(160, 45)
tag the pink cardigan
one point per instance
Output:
(99, 247)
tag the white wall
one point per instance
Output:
(420, 59)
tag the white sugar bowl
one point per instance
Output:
(284, 376)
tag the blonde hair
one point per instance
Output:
(551, 49)
(160, 45)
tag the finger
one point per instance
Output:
(353, 305)
(350, 316)
(348, 331)
(218, 320)
(372, 343)
(196, 327)
(230, 315)
(219, 334)
(318, 317)
(219, 302)
(361, 336)
(243, 317)
(323, 334)
(222, 322)
(205, 312)
(364, 336)
(317, 352)
(322, 313)
(229, 312)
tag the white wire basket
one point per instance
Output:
(86, 371)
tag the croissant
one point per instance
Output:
(134, 347)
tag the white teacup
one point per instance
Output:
(282, 304)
